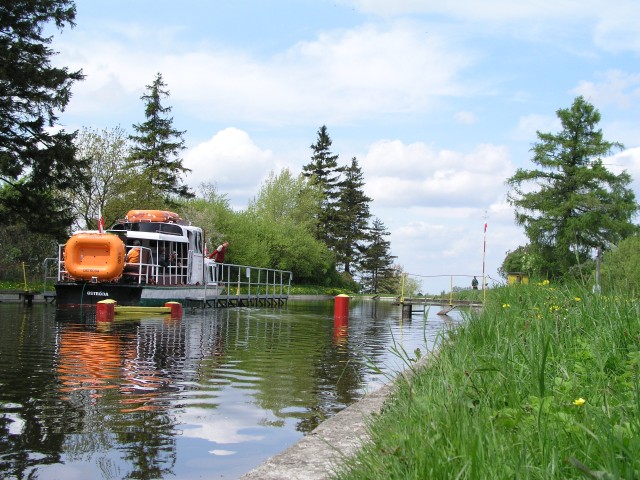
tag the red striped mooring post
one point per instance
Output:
(176, 309)
(105, 310)
(341, 307)
(340, 318)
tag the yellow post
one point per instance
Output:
(402, 288)
(24, 274)
(451, 291)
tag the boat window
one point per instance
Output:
(152, 227)
(198, 244)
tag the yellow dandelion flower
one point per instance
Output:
(577, 299)
(579, 402)
(505, 305)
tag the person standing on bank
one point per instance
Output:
(474, 283)
(218, 256)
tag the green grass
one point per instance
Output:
(543, 383)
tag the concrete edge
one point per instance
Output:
(318, 455)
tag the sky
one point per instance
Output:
(439, 101)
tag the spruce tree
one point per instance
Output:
(157, 145)
(352, 216)
(37, 166)
(376, 262)
(323, 171)
(572, 204)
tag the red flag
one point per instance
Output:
(101, 225)
(485, 226)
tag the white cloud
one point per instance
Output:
(614, 26)
(339, 76)
(229, 159)
(528, 125)
(629, 161)
(616, 87)
(402, 175)
(466, 118)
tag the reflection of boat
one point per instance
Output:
(172, 265)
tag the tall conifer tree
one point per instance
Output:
(376, 263)
(324, 171)
(572, 203)
(157, 146)
(352, 216)
(37, 166)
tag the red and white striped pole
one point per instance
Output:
(484, 253)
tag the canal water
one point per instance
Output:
(210, 395)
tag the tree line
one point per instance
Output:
(316, 223)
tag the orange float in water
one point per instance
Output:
(89, 255)
(152, 216)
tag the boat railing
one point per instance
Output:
(249, 281)
(50, 268)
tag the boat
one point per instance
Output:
(171, 266)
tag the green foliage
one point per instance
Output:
(376, 262)
(572, 203)
(323, 171)
(18, 246)
(268, 240)
(106, 153)
(542, 383)
(284, 197)
(156, 149)
(352, 217)
(522, 259)
(283, 246)
(620, 269)
(36, 164)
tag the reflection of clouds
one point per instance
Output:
(222, 453)
(13, 423)
(202, 423)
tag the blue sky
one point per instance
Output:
(439, 101)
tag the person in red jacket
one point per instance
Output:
(218, 253)
(218, 256)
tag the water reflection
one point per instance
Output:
(212, 394)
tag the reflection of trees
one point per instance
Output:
(108, 375)
(33, 425)
(86, 394)
(302, 373)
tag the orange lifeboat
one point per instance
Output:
(152, 216)
(100, 255)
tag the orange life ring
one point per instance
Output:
(152, 216)
(88, 255)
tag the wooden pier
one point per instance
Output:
(243, 300)
(420, 304)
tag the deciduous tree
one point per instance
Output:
(106, 152)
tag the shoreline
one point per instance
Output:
(319, 454)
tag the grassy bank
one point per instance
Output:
(544, 383)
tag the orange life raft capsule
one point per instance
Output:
(99, 255)
(152, 216)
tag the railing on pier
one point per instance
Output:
(243, 285)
